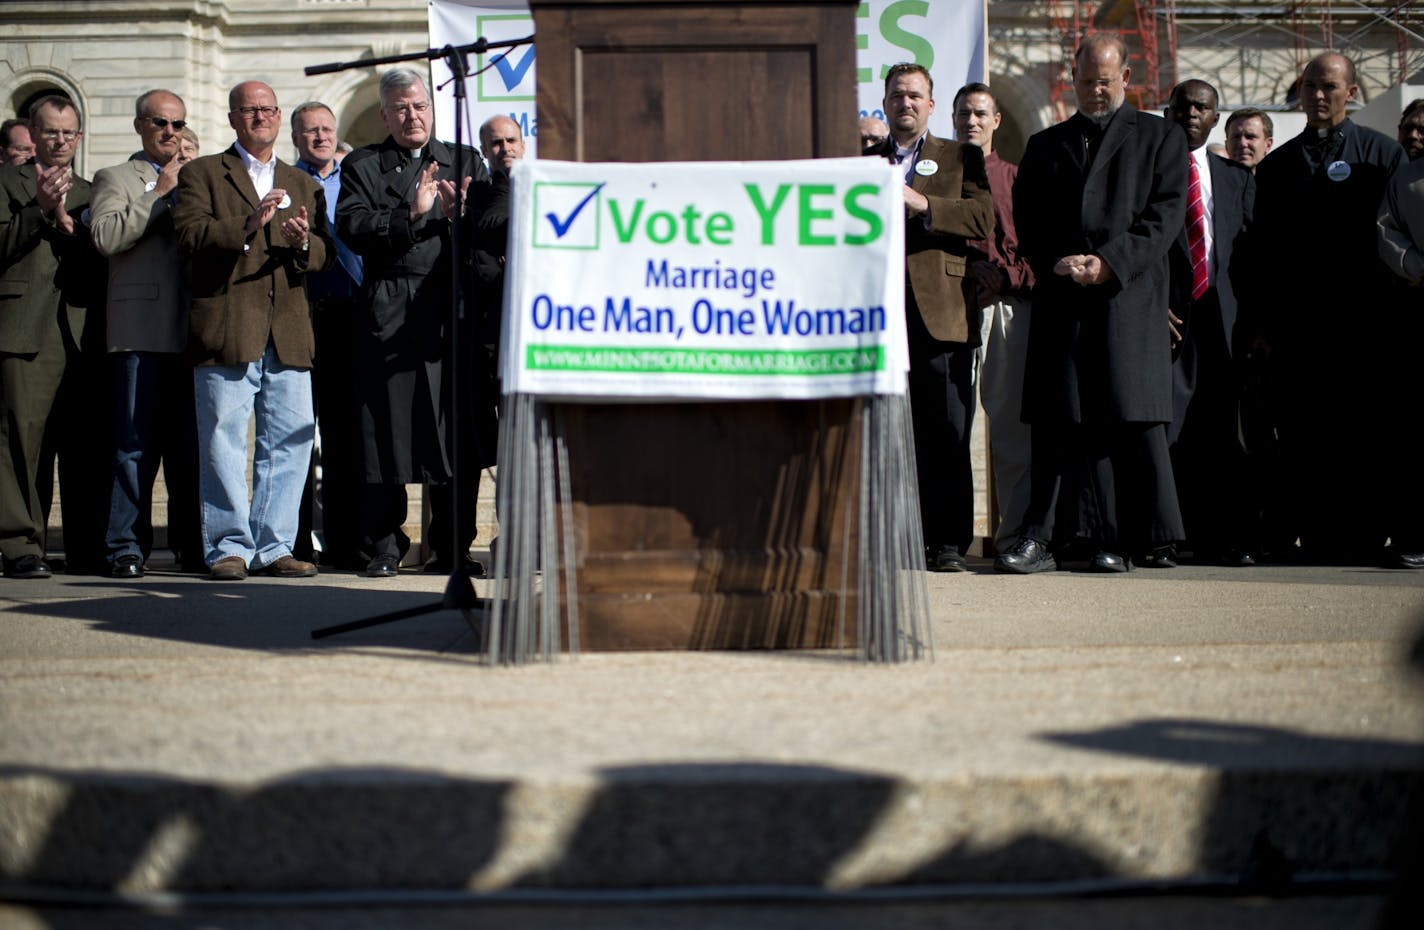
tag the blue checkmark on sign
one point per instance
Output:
(562, 226)
(513, 73)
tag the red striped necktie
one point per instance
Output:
(1196, 230)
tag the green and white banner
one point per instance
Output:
(705, 280)
(949, 37)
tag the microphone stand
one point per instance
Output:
(459, 588)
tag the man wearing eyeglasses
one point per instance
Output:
(131, 222)
(44, 288)
(253, 227)
(397, 201)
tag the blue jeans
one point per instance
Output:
(153, 421)
(263, 531)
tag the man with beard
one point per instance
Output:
(1411, 129)
(1098, 201)
(947, 203)
(396, 208)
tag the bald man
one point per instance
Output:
(253, 227)
(1317, 277)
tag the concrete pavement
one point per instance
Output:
(1197, 724)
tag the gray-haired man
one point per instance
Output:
(395, 211)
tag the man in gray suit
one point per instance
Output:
(253, 227)
(42, 318)
(131, 223)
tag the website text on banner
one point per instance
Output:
(707, 280)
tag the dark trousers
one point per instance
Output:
(154, 422)
(1110, 484)
(338, 417)
(29, 386)
(383, 511)
(942, 406)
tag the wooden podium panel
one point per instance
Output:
(715, 525)
(692, 81)
(707, 525)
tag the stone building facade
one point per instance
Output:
(103, 53)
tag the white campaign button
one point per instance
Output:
(926, 167)
(286, 202)
(1338, 171)
(149, 186)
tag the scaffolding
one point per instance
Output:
(1147, 29)
(1166, 39)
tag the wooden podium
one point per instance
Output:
(707, 525)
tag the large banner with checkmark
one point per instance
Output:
(501, 81)
(707, 280)
(949, 37)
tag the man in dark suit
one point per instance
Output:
(947, 203)
(395, 211)
(131, 223)
(1401, 246)
(1322, 190)
(335, 301)
(502, 144)
(253, 227)
(1098, 201)
(16, 146)
(46, 278)
(1208, 458)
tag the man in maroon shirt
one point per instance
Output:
(1002, 281)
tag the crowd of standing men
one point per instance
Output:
(182, 298)
(1155, 330)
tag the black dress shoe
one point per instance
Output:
(1406, 560)
(27, 566)
(1164, 557)
(1240, 558)
(1109, 562)
(126, 566)
(383, 566)
(440, 565)
(946, 558)
(1026, 557)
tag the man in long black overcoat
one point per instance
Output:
(395, 211)
(1099, 199)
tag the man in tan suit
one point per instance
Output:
(947, 203)
(131, 223)
(253, 227)
(43, 293)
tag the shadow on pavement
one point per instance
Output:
(255, 614)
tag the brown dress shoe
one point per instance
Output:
(289, 567)
(232, 568)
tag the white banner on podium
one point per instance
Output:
(706, 280)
